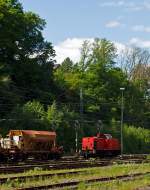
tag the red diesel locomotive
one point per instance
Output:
(100, 145)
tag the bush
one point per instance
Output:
(136, 140)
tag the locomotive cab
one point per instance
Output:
(100, 145)
(104, 136)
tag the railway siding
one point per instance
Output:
(98, 174)
(8, 169)
(75, 183)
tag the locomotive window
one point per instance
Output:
(108, 136)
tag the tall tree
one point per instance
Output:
(26, 59)
(134, 62)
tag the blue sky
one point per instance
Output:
(69, 22)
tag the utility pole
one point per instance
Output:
(81, 104)
(76, 134)
(122, 110)
(99, 126)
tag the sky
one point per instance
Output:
(70, 22)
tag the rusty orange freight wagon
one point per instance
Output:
(22, 144)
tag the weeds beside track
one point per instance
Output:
(74, 184)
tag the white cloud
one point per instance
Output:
(113, 24)
(112, 4)
(141, 28)
(71, 48)
(120, 47)
(146, 5)
(130, 5)
(140, 43)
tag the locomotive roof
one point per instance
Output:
(32, 132)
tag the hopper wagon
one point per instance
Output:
(22, 144)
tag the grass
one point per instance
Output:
(148, 157)
(115, 185)
(89, 173)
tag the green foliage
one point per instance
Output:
(35, 109)
(30, 116)
(26, 59)
(54, 116)
(61, 121)
(29, 84)
(103, 53)
(136, 140)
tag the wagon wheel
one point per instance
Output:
(23, 157)
(13, 157)
(38, 156)
(45, 156)
(2, 157)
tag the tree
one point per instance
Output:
(103, 52)
(134, 62)
(67, 78)
(26, 59)
(30, 116)
(54, 116)
(21, 40)
(85, 55)
(66, 66)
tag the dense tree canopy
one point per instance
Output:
(73, 96)
(26, 59)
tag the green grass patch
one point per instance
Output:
(109, 171)
(114, 185)
(148, 157)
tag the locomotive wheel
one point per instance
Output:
(50, 156)
(86, 155)
(57, 156)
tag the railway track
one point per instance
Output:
(25, 177)
(62, 164)
(72, 159)
(75, 183)
(68, 164)
(19, 169)
(37, 176)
